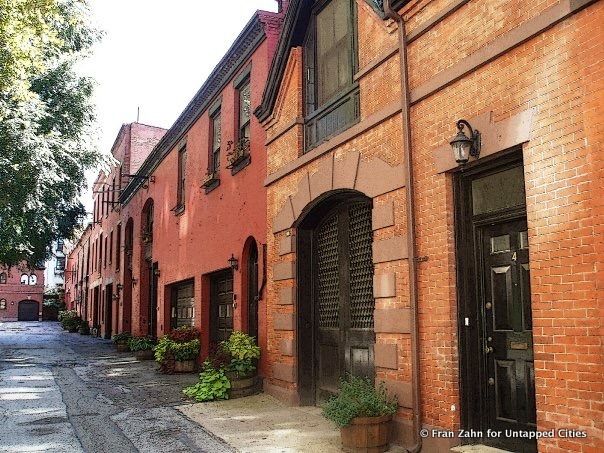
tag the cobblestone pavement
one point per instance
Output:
(62, 392)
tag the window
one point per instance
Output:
(24, 279)
(60, 245)
(331, 95)
(2, 278)
(216, 134)
(113, 192)
(182, 162)
(334, 49)
(2, 304)
(105, 247)
(33, 279)
(118, 244)
(60, 263)
(110, 247)
(244, 110)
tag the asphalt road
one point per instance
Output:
(62, 392)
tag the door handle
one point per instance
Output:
(488, 349)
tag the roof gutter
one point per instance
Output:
(408, 156)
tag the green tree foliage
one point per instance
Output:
(46, 124)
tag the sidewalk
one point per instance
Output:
(261, 423)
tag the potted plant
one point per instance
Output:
(70, 320)
(142, 347)
(177, 351)
(241, 369)
(363, 413)
(121, 341)
(84, 328)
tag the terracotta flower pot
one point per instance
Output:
(146, 354)
(185, 366)
(122, 346)
(367, 434)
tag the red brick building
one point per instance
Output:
(21, 293)
(94, 265)
(474, 291)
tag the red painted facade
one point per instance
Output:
(19, 284)
(192, 242)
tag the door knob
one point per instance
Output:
(488, 305)
(488, 349)
(491, 381)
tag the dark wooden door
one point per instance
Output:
(154, 280)
(344, 303)
(108, 311)
(221, 320)
(253, 293)
(28, 310)
(508, 340)
(183, 305)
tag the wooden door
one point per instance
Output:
(28, 310)
(344, 304)
(253, 292)
(508, 339)
(154, 280)
(221, 320)
(108, 311)
(183, 305)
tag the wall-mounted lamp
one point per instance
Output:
(115, 296)
(464, 147)
(156, 272)
(134, 281)
(119, 287)
(233, 262)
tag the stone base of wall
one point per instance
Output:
(285, 395)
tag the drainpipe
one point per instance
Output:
(406, 123)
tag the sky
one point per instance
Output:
(155, 55)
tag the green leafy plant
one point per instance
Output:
(141, 344)
(122, 337)
(359, 398)
(70, 319)
(84, 328)
(213, 385)
(243, 351)
(188, 350)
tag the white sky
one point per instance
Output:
(155, 55)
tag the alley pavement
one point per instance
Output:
(62, 392)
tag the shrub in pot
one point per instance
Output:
(70, 320)
(177, 351)
(121, 341)
(142, 347)
(84, 328)
(363, 413)
(241, 368)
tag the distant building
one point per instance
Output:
(21, 293)
(54, 274)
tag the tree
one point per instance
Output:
(46, 124)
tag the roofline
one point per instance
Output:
(252, 35)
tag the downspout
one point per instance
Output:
(407, 153)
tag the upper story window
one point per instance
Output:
(2, 278)
(245, 110)
(24, 279)
(2, 304)
(33, 279)
(182, 163)
(60, 245)
(60, 263)
(330, 61)
(216, 134)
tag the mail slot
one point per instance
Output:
(520, 346)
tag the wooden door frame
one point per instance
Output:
(472, 383)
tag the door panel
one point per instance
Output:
(343, 296)
(183, 311)
(221, 307)
(253, 295)
(508, 344)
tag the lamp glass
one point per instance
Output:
(461, 146)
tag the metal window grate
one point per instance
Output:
(328, 277)
(362, 303)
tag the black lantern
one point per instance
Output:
(233, 262)
(464, 147)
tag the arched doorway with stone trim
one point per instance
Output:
(331, 216)
(334, 294)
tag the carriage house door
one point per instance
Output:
(221, 319)
(343, 296)
(497, 324)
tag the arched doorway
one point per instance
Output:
(127, 289)
(252, 288)
(335, 294)
(28, 310)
